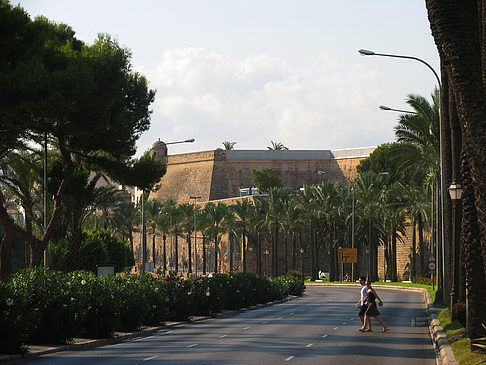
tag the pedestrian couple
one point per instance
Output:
(367, 306)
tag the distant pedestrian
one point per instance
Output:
(372, 310)
(361, 304)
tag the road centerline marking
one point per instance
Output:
(223, 336)
(309, 345)
(194, 344)
(289, 358)
(324, 336)
(335, 328)
(150, 358)
(246, 328)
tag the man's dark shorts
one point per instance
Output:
(362, 310)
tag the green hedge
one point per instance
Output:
(46, 306)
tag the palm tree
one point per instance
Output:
(277, 198)
(19, 175)
(186, 211)
(241, 211)
(292, 224)
(257, 223)
(277, 146)
(175, 217)
(326, 195)
(124, 220)
(308, 205)
(153, 209)
(368, 204)
(215, 215)
(229, 145)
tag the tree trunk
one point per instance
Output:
(216, 255)
(243, 248)
(164, 238)
(176, 253)
(294, 248)
(5, 255)
(286, 254)
(394, 276)
(189, 253)
(414, 249)
(475, 283)
(275, 252)
(312, 251)
(420, 226)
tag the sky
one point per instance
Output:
(256, 71)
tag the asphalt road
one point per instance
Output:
(319, 328)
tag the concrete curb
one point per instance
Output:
(83, 343)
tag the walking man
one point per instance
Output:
(361, 304)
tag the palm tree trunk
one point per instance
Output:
(216, 254)
(475, 283)
(414, 248)
(286, 253)
(153, 249)
(176, 252)
(394, 256)
(189, 253)
(275, 252)
(164, 237)
(204, 254)
(243, 247)
(420, 226)
(312, 251)
(294, 248)
(5, 255)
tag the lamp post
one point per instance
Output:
(266, 252)
(195, 245)
(46, 251)
(365, 52)
(455, 192)
(302, 263)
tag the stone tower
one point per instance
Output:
(159, 150)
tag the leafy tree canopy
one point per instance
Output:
(265, 179)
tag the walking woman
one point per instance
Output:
(372, 310)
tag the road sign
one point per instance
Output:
(347, 255)
(432, 265)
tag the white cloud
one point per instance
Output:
(205, 95)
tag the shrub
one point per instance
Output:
(46, 293)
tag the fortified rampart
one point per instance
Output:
(219, 174)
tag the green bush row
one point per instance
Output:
(46, 306)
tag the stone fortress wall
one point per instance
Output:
(217, 176)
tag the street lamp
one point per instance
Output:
(302, 263)
(266, 252)
(455, 192)
(365, 52)
(387, 108)
(195, 245)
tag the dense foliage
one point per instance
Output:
(98, 247)
(36, 304)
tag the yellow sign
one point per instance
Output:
(347, 255)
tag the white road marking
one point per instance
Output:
(344, 323)
(223, 336)
(265, 322)
(150, 358)
(291, 314)
(279, 318)
(310, 345)
(161, 334)
(335, 328)
(289, 358)
(194, 344)
(351, 319)
(324, 336)
(246, 328)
